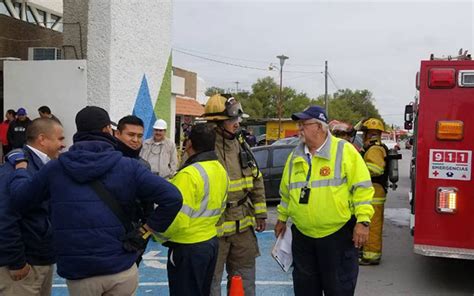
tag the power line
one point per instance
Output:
(220, 62)
(333, 81)
(242, 59)
(190, 52)
(221, 56)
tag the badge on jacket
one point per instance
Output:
(325, 171)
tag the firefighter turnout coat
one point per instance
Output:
(246, 195)
(375, 160)
(339, 187)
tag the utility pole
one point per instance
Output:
(326, 103)
(280, 103)
(236, 87)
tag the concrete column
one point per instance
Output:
(128, 50)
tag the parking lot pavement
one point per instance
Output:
(271, 279)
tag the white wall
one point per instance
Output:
(60, 85)
(127, 41)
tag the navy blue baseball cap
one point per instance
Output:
(315, 112)
(21, 112)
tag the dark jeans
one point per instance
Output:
(328, 264)
(191, 267)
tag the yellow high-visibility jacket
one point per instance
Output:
(246, 185)
(339, 185)
(203, 185)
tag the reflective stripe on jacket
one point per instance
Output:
(339, 185)
(245, 183)
(203, 186)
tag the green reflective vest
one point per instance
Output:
(339, 184)
(203, 186)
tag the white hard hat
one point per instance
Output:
(160, 124)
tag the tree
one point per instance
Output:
(214, 90)
(263, 101)
(350, 106)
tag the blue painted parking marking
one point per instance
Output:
(271, 279)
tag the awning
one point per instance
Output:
(189, 107)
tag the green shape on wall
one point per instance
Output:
(163, 102)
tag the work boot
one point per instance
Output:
(366, 262)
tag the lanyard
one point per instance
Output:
(309, 170)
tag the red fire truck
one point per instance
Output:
(442, 191)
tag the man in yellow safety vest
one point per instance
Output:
(326, 191)
(193, 243)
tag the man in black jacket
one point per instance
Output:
(129, 134)
(96, 247)
(26, 248)
(17, 130)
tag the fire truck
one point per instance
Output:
(442, 189)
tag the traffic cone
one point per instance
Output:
(236, 286)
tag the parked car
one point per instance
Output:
(391, 144)
(271, 161)
(287, 141)
(261, 139)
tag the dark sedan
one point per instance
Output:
(271, 160)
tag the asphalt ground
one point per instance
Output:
(401, 272)
(271, 279)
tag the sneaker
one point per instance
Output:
(366, 262)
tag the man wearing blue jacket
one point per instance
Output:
(88, 236)
(26, 243)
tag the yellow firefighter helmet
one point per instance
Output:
(220, 108)
(373, 124)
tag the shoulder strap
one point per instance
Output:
(112, 203)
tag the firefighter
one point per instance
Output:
(375, 155)
(342, 130)
(245, 209)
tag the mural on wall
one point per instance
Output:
(163, 102)
(144, 109)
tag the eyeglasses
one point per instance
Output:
(302, 124)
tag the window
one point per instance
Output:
(280, 156)
(262, 158)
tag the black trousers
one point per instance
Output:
(328, 264)
(191, 267)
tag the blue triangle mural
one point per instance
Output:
(144, 109)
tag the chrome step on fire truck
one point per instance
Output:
(442, 191)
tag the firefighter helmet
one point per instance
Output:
(336, 126)
(373, 124)
(218, 108)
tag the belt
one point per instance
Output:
(234, 204)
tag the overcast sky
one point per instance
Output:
(373, 45)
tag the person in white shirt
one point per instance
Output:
(160, 152)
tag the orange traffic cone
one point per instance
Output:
(236, 286)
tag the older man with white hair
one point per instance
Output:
(326, 191)
(160, 152)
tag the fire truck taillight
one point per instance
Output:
(446, 199)
(449, 130)
(442, 78)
